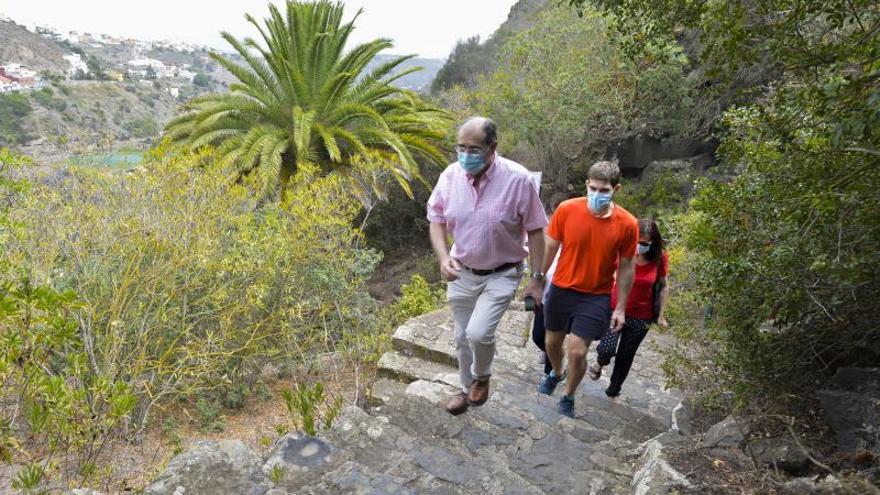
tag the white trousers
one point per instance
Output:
(478, 303)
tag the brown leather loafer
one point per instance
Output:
(457, 404)
(479, 392)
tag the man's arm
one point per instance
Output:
(535, 288)
(449, 267)
(551, 247)
(625, 274)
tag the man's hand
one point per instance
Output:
(449, 268)
(618, 318)
(536, 290)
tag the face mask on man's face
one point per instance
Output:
(472, 163)
(598, 200)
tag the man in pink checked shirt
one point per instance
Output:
(488, 204)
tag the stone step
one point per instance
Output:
(379, 442)
(430, 336)
(407, 369)
(511, 444)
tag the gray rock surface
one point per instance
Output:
(852, 408)
(810, 486)
(781, 453)
(726, 434)
(226, 466)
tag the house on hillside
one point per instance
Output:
(7, 85)
(76, 65)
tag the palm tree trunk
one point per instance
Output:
(288, 170)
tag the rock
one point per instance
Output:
(862, 380)
(727, 434)
(781, 453)
(852, 407)
(653, 474)
(82, 491)
(808, 486)
(436, 393)
(226, 466)
(851, 415)
(297, 452)
(682, 414)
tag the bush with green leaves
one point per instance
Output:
(785, 253)
(183, 289)
(564, 90)
(417, 298)
(310, 407)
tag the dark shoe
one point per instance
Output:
(457, 404)
(548, 385)
(566, 406)
(612, 391)
(479, 392)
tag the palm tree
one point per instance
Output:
(302, 100)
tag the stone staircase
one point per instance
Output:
(406, 443)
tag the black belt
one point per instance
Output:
(490, 271)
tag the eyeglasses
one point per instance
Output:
(473, 150)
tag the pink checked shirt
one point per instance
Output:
(488, 222)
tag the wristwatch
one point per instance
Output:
(537, 275)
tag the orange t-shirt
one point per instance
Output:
(591, 246)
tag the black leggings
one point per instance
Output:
(631, 336)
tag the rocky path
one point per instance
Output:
(406, 443)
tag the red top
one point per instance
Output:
(641, 298)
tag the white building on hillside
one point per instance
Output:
(77, 64)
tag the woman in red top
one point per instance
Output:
(652, 265)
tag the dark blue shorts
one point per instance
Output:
(586, 315)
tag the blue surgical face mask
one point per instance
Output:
(472, 163)
(598, 200)
(643, 248)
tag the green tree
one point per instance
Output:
(14, 107)
(201, 80)
(786, 251)
(303, 102)
(565, 91)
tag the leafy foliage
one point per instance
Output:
(14, 107)
(182, 292)
(564, 91)
(303, 102)
(785, 253)
(417, 298)
(311, 408)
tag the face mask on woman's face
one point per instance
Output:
(643, 247)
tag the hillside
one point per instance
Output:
(474, 57)
(77, 116)
(19, 45)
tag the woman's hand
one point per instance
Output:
(661, 321)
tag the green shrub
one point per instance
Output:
(310, 408)
(183, 291)
(14, 108)
(417, 298)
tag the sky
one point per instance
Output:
(428, 28)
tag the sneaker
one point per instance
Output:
(566, 406)
(548, 385)
(612, 391)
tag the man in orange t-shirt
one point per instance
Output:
(597, 236)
